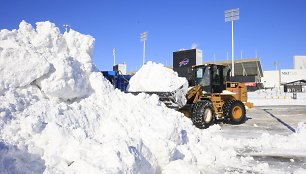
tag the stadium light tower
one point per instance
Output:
(231, 16)
(143, 38)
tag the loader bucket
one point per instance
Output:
(173, 99)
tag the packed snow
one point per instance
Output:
(155, 77)
(59, 115)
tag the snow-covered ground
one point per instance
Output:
(59, 115)
(275, 97)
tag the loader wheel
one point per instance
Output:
(234, 111)
(203, 114)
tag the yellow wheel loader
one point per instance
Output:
(214, 97)
(211, 97)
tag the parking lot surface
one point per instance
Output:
(274, 120)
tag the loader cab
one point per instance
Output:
(211, 77)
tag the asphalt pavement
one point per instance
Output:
(281, 120)
(275, 120)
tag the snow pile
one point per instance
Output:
(153, 77)
(58, 115)
(64, 117)
(156, 77)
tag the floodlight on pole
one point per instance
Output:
(231, 16)
(114, 54)
(143, 38)
(66, 27)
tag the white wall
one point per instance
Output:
(271, 79)
(290, 75)
(299, 62)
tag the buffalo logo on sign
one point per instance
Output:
(184, 62)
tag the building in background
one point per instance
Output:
(294, 78)
(296, 86)
(290, 75)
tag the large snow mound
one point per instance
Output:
(63, 117)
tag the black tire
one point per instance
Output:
(234, 111)
(203, 114)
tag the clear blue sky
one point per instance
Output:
(276, 29)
